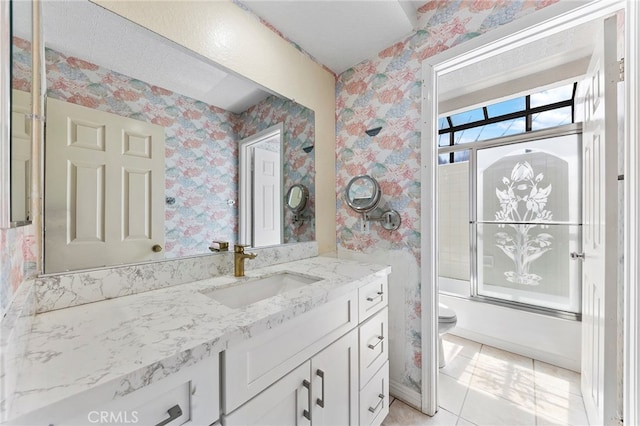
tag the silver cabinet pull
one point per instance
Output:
(576, 256)
(307, 413)
(174, 412)
(380, 339)
(320, 401)
(372, 298)
(373, 409)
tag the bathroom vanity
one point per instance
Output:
(314, 351)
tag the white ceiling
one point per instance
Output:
(89, 32)
(340, 34)
(549, 61)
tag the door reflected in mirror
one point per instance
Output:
(204, 112)
(20, 178)
(261, 175)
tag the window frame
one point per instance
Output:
(528, 112)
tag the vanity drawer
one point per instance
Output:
(194, 389)
(374, 345)
(372, 297)
(374, 398)
(253, 365)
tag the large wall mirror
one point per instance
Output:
(15, 95)
(142, 143)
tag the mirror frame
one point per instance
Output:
(303, 201)
(5, 115)
(375, 197)
(5, 119)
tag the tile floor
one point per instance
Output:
(485, 386)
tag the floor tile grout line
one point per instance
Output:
(503, 399)
(535, 393)
(464, 400)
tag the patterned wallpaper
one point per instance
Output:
(17, 261)
(299, 166)
(386, 91)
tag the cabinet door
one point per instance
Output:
(286, 402)
(255, 364)
(334, 373)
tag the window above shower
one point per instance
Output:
(538, 110)
(509, 208)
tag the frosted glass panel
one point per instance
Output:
(530, 181)
(528, 210)
(530, 264)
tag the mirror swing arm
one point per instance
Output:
(363, 195)
(389, 219)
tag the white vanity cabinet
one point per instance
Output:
(321, 392)
(187, 397)
(326, 367)
(313, 362)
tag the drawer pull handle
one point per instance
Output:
(372, 298)
(174, 412)
(374, 409)
(320, 401)
(307, 413)
(380, 339)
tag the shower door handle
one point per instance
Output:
(576, 256)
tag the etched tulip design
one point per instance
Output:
(522, 205)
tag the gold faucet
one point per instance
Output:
(238, 259)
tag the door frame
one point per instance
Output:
(245, 188)
(548, 21)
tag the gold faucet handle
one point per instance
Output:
(239, 248)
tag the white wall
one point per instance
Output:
(236, 40)
(453, 220)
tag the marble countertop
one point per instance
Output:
(123, 344)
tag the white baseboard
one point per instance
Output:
(405, 394)
(527, 351)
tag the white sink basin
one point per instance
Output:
(253, 291)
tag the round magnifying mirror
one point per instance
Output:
(363, 193)
(297, 197)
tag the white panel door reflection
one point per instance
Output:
(104, 192)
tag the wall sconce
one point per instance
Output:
(374, 131)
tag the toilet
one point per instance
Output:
(446, 321)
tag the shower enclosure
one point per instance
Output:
(510, 220)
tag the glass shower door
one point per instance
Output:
(528, 214)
